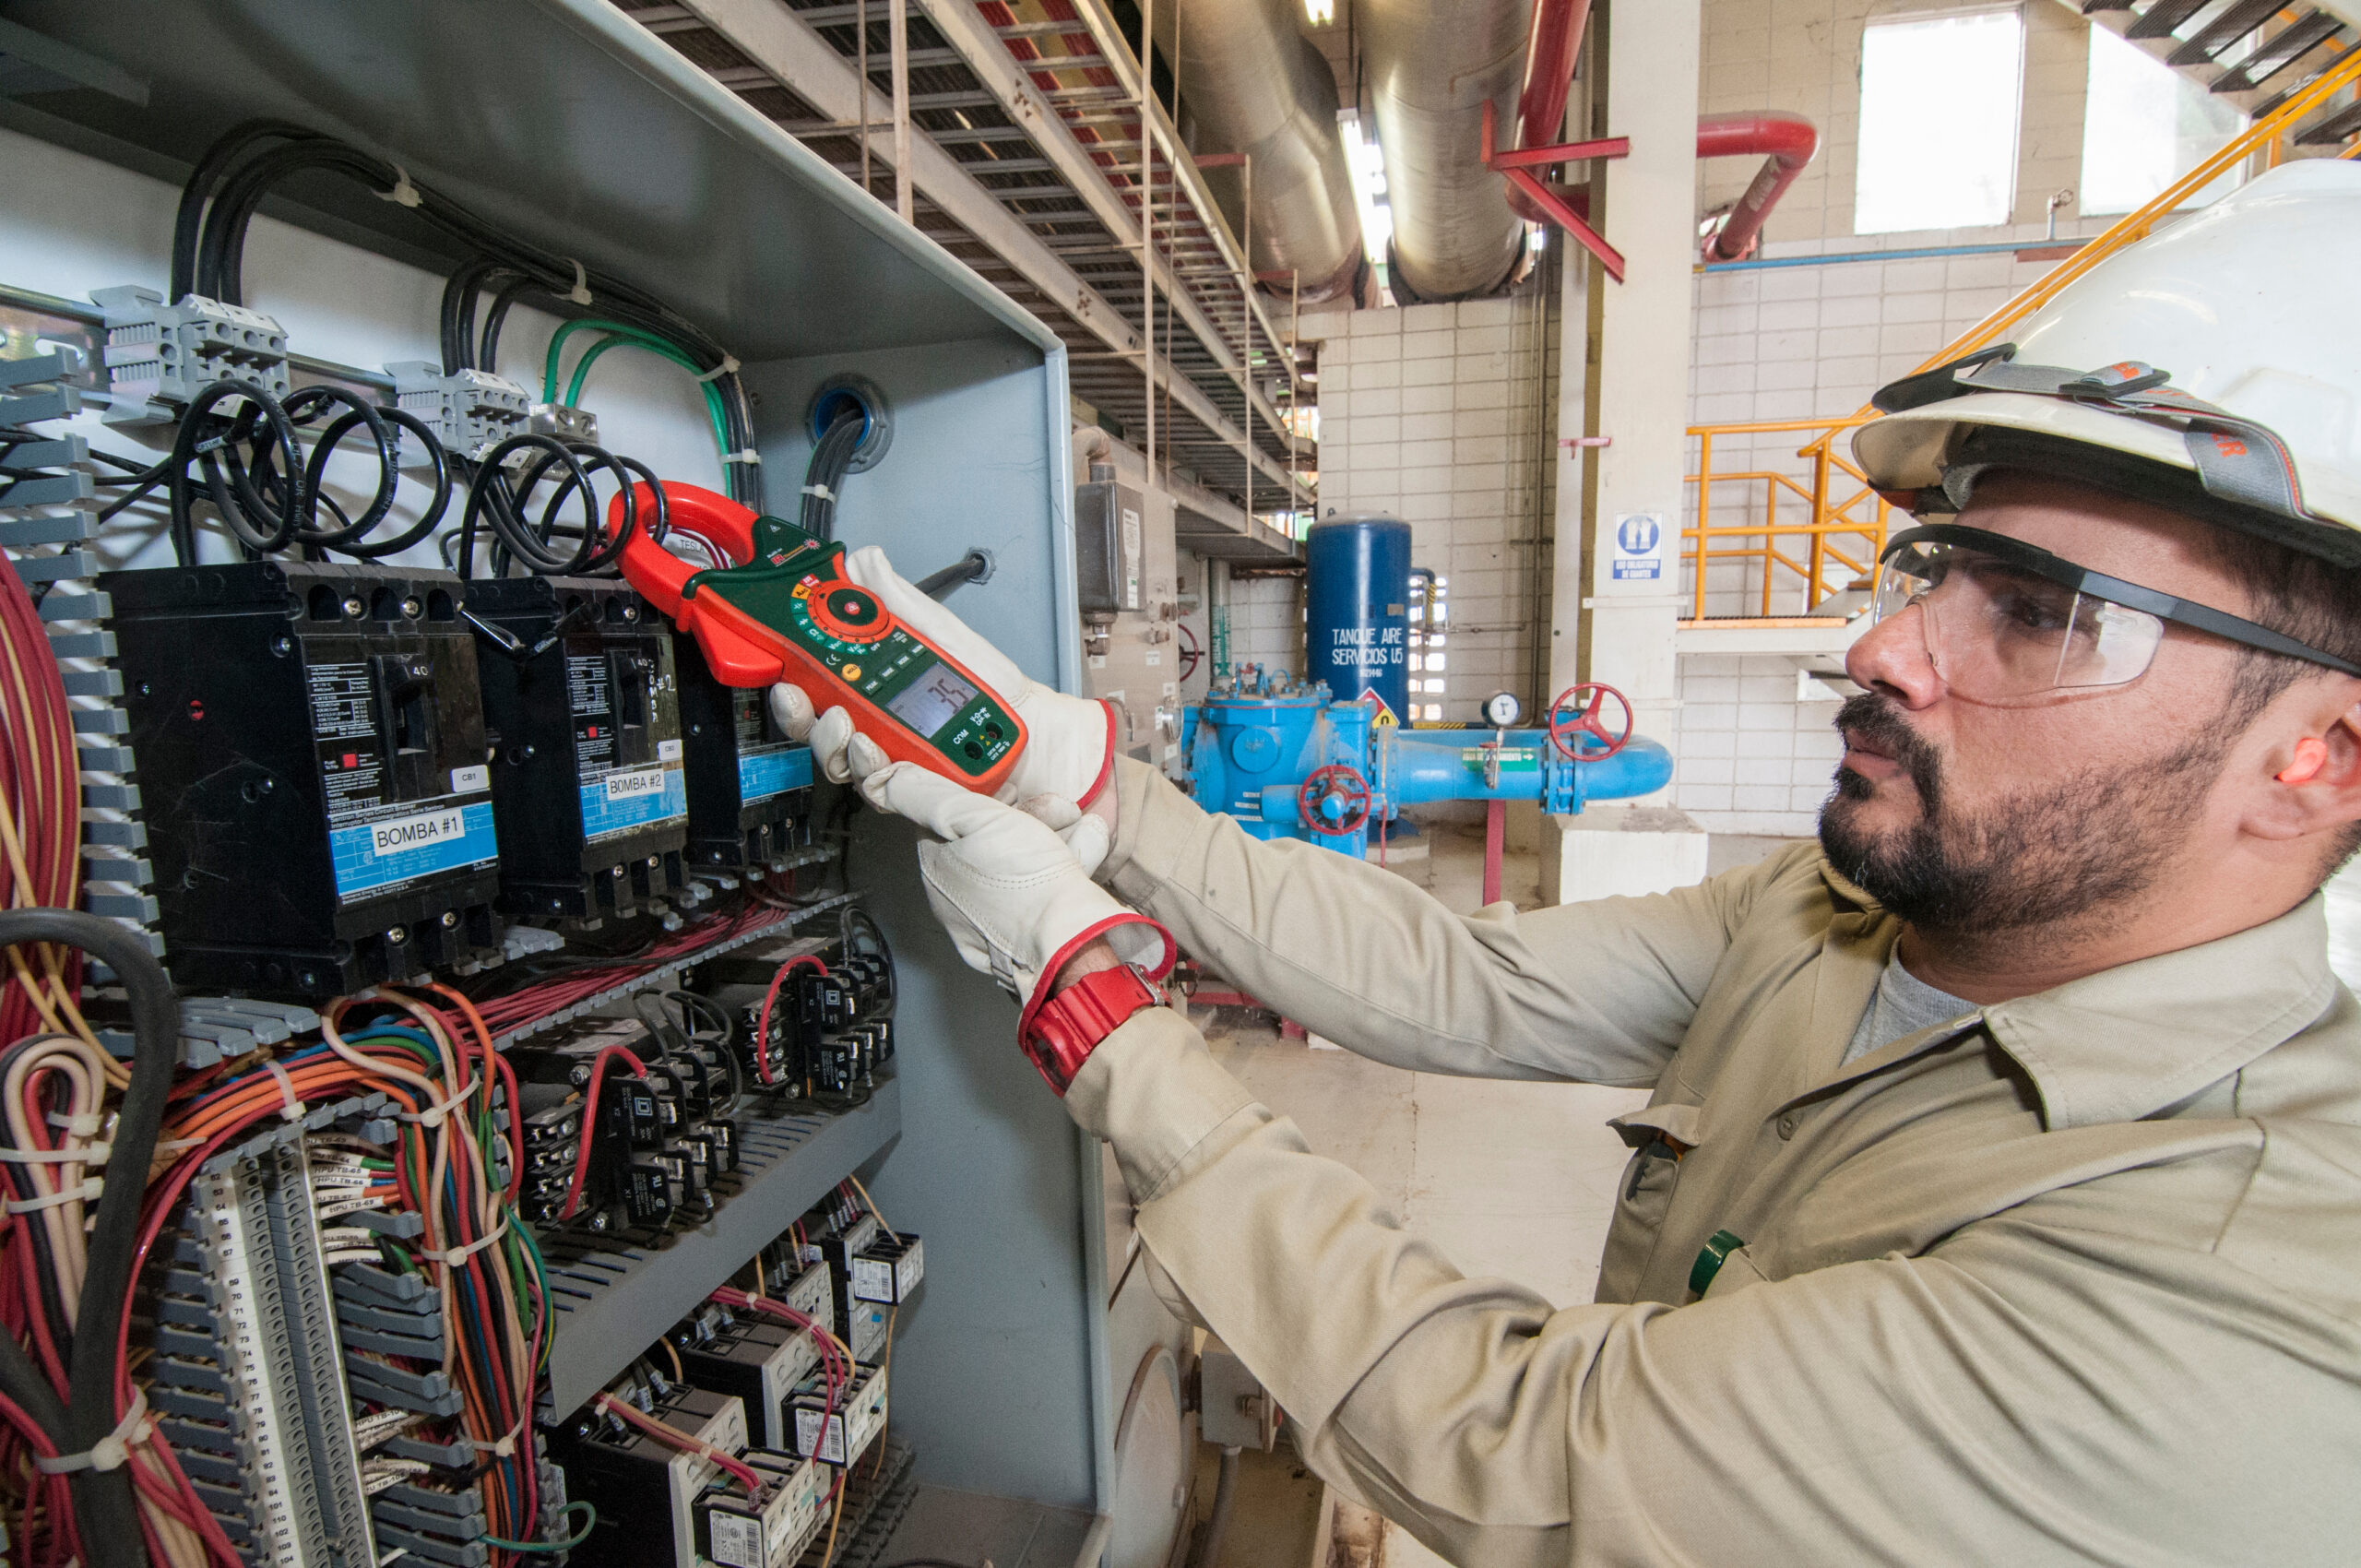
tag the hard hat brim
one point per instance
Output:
(1909, 451)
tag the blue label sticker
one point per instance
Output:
(631, 797)
(764, 774)
(373, 856)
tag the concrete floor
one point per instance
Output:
(1511, 1180)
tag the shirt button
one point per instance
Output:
(1787, 1123)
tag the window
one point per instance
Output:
(2144, 125)
(1939, 120)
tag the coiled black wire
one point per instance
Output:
(248, 462)
(500, 503)
(246, 162)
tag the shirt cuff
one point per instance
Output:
(1160, 1100)
(1154, 823)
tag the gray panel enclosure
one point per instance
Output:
(589, 136)
(992, 1365)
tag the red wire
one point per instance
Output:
(763, 1023)
(590, 1122)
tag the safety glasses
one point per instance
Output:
(2008, 624)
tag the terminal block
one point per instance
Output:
(158, 356)
(470, 410)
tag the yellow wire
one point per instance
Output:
(872, 1204)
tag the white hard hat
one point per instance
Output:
(2214, 368)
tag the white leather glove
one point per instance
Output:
(1017, 904)
(1069, 748)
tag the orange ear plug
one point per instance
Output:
(2311, 755)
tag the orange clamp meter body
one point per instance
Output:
(785, 611)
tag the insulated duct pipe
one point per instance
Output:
(1252, 84)
(1432, 67)
(1788, 139)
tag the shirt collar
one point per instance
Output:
(2128, 1041)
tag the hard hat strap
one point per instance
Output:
(2237, 459)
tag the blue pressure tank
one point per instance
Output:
(1357, 608)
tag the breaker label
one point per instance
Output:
(628, 799)
(371, 857)
(400, 834)
(775, 771)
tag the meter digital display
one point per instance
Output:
(933, 701)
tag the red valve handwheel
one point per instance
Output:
(1576, 713)
(1337, 780)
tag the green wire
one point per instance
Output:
(623, 334)
(566, 1545)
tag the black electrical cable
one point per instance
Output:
(437, 505)
(104, 1509)
(188, 221)
(824, 477)
(855, 916)
(972, 567)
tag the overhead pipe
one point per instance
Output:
(1790, 140)
(1431, 70)
(1551, 47)
(1252, 84)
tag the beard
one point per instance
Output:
(2056, 856)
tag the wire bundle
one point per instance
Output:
(533, 1002)
(68, 1268)
(433, 1054)
(496, 498)
(247, 161)
(41, 817)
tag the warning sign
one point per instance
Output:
(1641, 548)
(1382, 717)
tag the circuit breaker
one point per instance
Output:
(749, 787)
(582, 702)
(309, 745)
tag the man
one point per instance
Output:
(2000, 1197)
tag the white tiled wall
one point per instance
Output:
(1433, 414)
(1815, 340)
(1266, 623)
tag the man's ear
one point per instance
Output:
(2315, 779)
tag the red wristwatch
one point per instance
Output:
(1060, 1034)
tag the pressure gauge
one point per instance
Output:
(1501, 709)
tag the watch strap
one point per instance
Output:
(1060, 1034)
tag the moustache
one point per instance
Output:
(1876, 720)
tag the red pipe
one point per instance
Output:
(1789, 139)
(1550, 48)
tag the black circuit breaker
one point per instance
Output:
(750, 788)
(308, 739)
(583, 706)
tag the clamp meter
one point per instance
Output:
(785, 611)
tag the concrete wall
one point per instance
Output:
(1815, 340)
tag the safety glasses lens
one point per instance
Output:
(1996, 631)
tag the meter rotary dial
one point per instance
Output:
(848, 615)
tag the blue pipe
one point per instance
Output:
(1762, 264)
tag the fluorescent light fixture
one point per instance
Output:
(1321, 12)
(1366, 161)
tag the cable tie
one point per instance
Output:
(89, 1154)
(111, 1451)
(87, 1193)
(581, 292)
(404, 194)
(728, 366)
(822, 491)
(748, 455)
(83, 1124)
(168, 1146)
(289, 1107)
(434, 1115)
(454, 1256)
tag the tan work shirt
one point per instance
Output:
(2076, 1278)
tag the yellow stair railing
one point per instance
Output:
(1834, 492)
